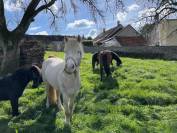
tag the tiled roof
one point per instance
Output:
(108, 34)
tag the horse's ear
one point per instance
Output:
(65, 39)
(79, 38)
(35, 69)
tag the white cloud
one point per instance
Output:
(146, 12)
(133, 7)
(139, 24)
(34, 28)
(121, 16)
(92, 33)
(12, 5)
(83, 23)
(42, 33)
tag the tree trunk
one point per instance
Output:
(9, 56)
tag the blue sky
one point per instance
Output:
(79, 23)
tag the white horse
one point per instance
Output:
(63, 77)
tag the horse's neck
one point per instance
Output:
(23, 77)
(75, 74)
(71, 80)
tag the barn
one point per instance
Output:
(119, 36)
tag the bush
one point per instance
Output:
(88, 43)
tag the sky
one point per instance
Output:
(80, 23)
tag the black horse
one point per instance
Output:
(104, 58)
(12, 86)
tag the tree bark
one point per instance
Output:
(9, 56)
(9, 40)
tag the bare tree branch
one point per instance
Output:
(45, 6)
(161, 9)
(36, 6)
(54, 16)
(95, 11)
(29, 15)
(74, 6)
(3, 25)
(27, 18)
(164, 8)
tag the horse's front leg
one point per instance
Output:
(66, 108)
(47, 94)
(101, 71)
(14, 104)
(71, 105)
(93, 64)
(59, 104)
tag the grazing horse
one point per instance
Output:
(104, 58)
(63, 77)
(12, 86)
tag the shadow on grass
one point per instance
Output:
(96, 71)
(39, 119)
(108, 83)
(103, 90)
(4, 126)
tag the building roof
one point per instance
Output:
(108, 34)
(131, 41)
(128, 27)
(126, 36)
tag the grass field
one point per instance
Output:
(141, 97)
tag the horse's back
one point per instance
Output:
(50, 70)
(105, 57)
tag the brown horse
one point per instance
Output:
(104, 58)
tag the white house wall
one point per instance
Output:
(164, 34)
(168, 33)
(154, 36)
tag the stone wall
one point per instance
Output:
(12, 62)
(149, 52)
(31, 52)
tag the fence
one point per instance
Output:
(149, 52)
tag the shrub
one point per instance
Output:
(88, 43)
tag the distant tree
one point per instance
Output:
(89, 38)
(146, 29)
(83, 37)
(9, 39)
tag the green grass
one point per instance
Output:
(141, 97)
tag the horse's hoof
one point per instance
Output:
(47, 105)
(15, 114)
(61, 108)
(120, 65)
(68, 123)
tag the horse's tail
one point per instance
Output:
(116, 57)
(52, 95)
